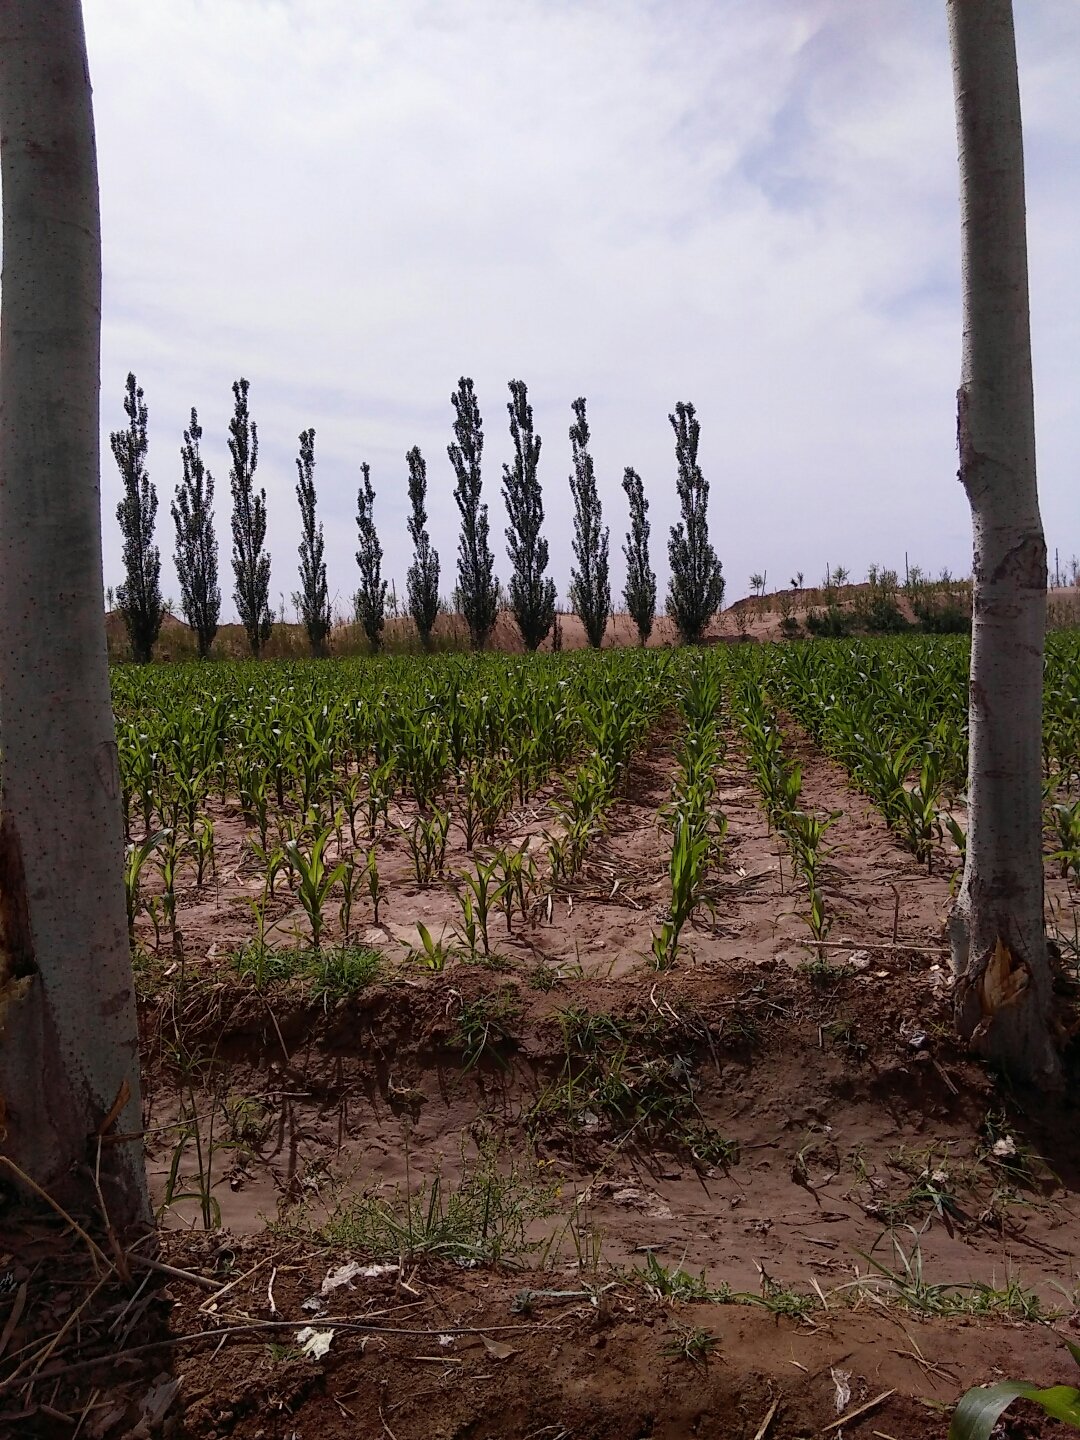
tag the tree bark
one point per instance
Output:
(1003, 994)
(68, 1034)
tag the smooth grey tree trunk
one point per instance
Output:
(1003, 982)
(68, 1034)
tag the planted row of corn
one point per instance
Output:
(894, 713)
(779, 781)
(695, 821)
(897, 723)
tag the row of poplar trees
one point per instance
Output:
(696, 588)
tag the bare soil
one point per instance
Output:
(885, 1222)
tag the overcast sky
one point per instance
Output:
(746, 204)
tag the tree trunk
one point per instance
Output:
(68, 1048)
(1003, 982)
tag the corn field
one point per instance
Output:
(495, 776)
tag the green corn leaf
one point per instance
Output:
(980, 1409)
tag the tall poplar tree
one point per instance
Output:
(314, 595)
(1004, 995)
(69, 1039)
(590, 588)
(251, 563)
(477, 587)
(640, 590)
(696, 590)
(423, 576)
(369, 603)
(196, 554)
(532, 592)
(139, 597)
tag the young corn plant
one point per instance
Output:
(273, 860)
(376, 893)
(313, 760)
(426, 841)
(135, 859)
(697, 829)
(1066, 822)
(202, 843)
(581, 813)
(432, 954)
(468, 817)
(779, 780)
(817, 917)
(351, 798)
(255, 801)
(692, 850)
(255, 961)
(803, 833)
(315, 878)
(467, 931)
(558, 856)
(495, 795)
(381, 787)
(917, 811)
(156, 912)
(352, 875)
(517, 880)
(190, 789)
(956, 833)
(195, 1134)
(170, 859)
(481, 895)
(429, 761)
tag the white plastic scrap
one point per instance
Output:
(841, 1379)
(346, 1274)
(314, 1343)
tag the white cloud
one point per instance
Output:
(750, 207)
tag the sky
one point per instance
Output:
(750, 205)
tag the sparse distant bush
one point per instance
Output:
(831, 623)
(884, 617)
(942, 613)
(876, 609)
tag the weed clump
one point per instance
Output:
(484, 1217)
(629, 1078)
(334, 972)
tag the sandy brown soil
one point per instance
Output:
(438, 1352)
(810, 1139)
